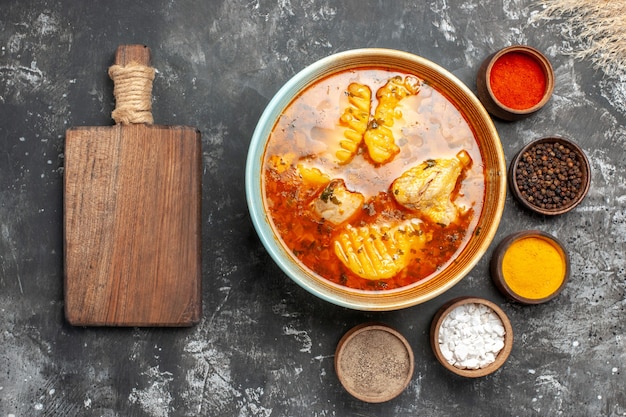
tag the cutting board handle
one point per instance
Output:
(132, 84)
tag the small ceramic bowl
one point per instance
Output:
(435, 330)
(374, 362)
(516, 285)
(537, 184)
(516, 71)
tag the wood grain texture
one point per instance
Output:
(132, 226)
(139, 54)
(132, 242)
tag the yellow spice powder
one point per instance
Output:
(533, 268)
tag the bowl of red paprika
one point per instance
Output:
(515, 82)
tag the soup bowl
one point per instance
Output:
(488, 218)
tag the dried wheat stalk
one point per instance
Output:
(600, 23)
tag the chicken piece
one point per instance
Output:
(355, 119)
(379, 251)
(427, 188)
(336, 204)
(378, 137)
(312, 175)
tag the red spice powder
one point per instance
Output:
(517, 80)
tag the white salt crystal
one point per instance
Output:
(498, 345)
(471, 364)
(461, 352)
(499, 329)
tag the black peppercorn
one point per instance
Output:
(550, 175)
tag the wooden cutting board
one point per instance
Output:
(132, 221)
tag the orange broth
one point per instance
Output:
(430, 127)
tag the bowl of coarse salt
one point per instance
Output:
(471, 336)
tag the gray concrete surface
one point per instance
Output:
(264, 346)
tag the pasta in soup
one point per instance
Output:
(373, 179)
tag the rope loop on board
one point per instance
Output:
(132, 88)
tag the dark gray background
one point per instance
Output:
(264, 346)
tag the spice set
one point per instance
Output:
(470, 336)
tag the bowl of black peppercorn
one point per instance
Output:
(550, 176)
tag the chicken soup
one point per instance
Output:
(373, 179)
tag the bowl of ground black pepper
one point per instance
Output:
(550, 176)
(515, 82)
(374, 362)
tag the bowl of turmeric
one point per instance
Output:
(515, 82)
(530, 267)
